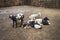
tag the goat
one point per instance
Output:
(45, 21)
(34, 16)
(31, 23)
(28, 23)
(16, 19)
(37, 23)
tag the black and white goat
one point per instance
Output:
(17, 18)
(33, 23)
(37, 23)
(28, 23)
(45, 21)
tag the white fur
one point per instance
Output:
(19, 15)
(37, 26)
(49, 22)
(34, 16)
(29, 21)
(39, 21)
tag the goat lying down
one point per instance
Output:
(17, 19)
(35, 16)
(44, 21)
(40, 22)
(37, 23)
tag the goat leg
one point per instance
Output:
(21, 23)
(16, 24)
(13, 24)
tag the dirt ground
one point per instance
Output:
(48, 32)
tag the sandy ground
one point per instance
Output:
(48, 32)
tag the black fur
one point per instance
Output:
(45, 21)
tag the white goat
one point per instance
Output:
(34, 16)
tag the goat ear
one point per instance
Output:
(23, 16)
(10, 16)
(47, 18)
